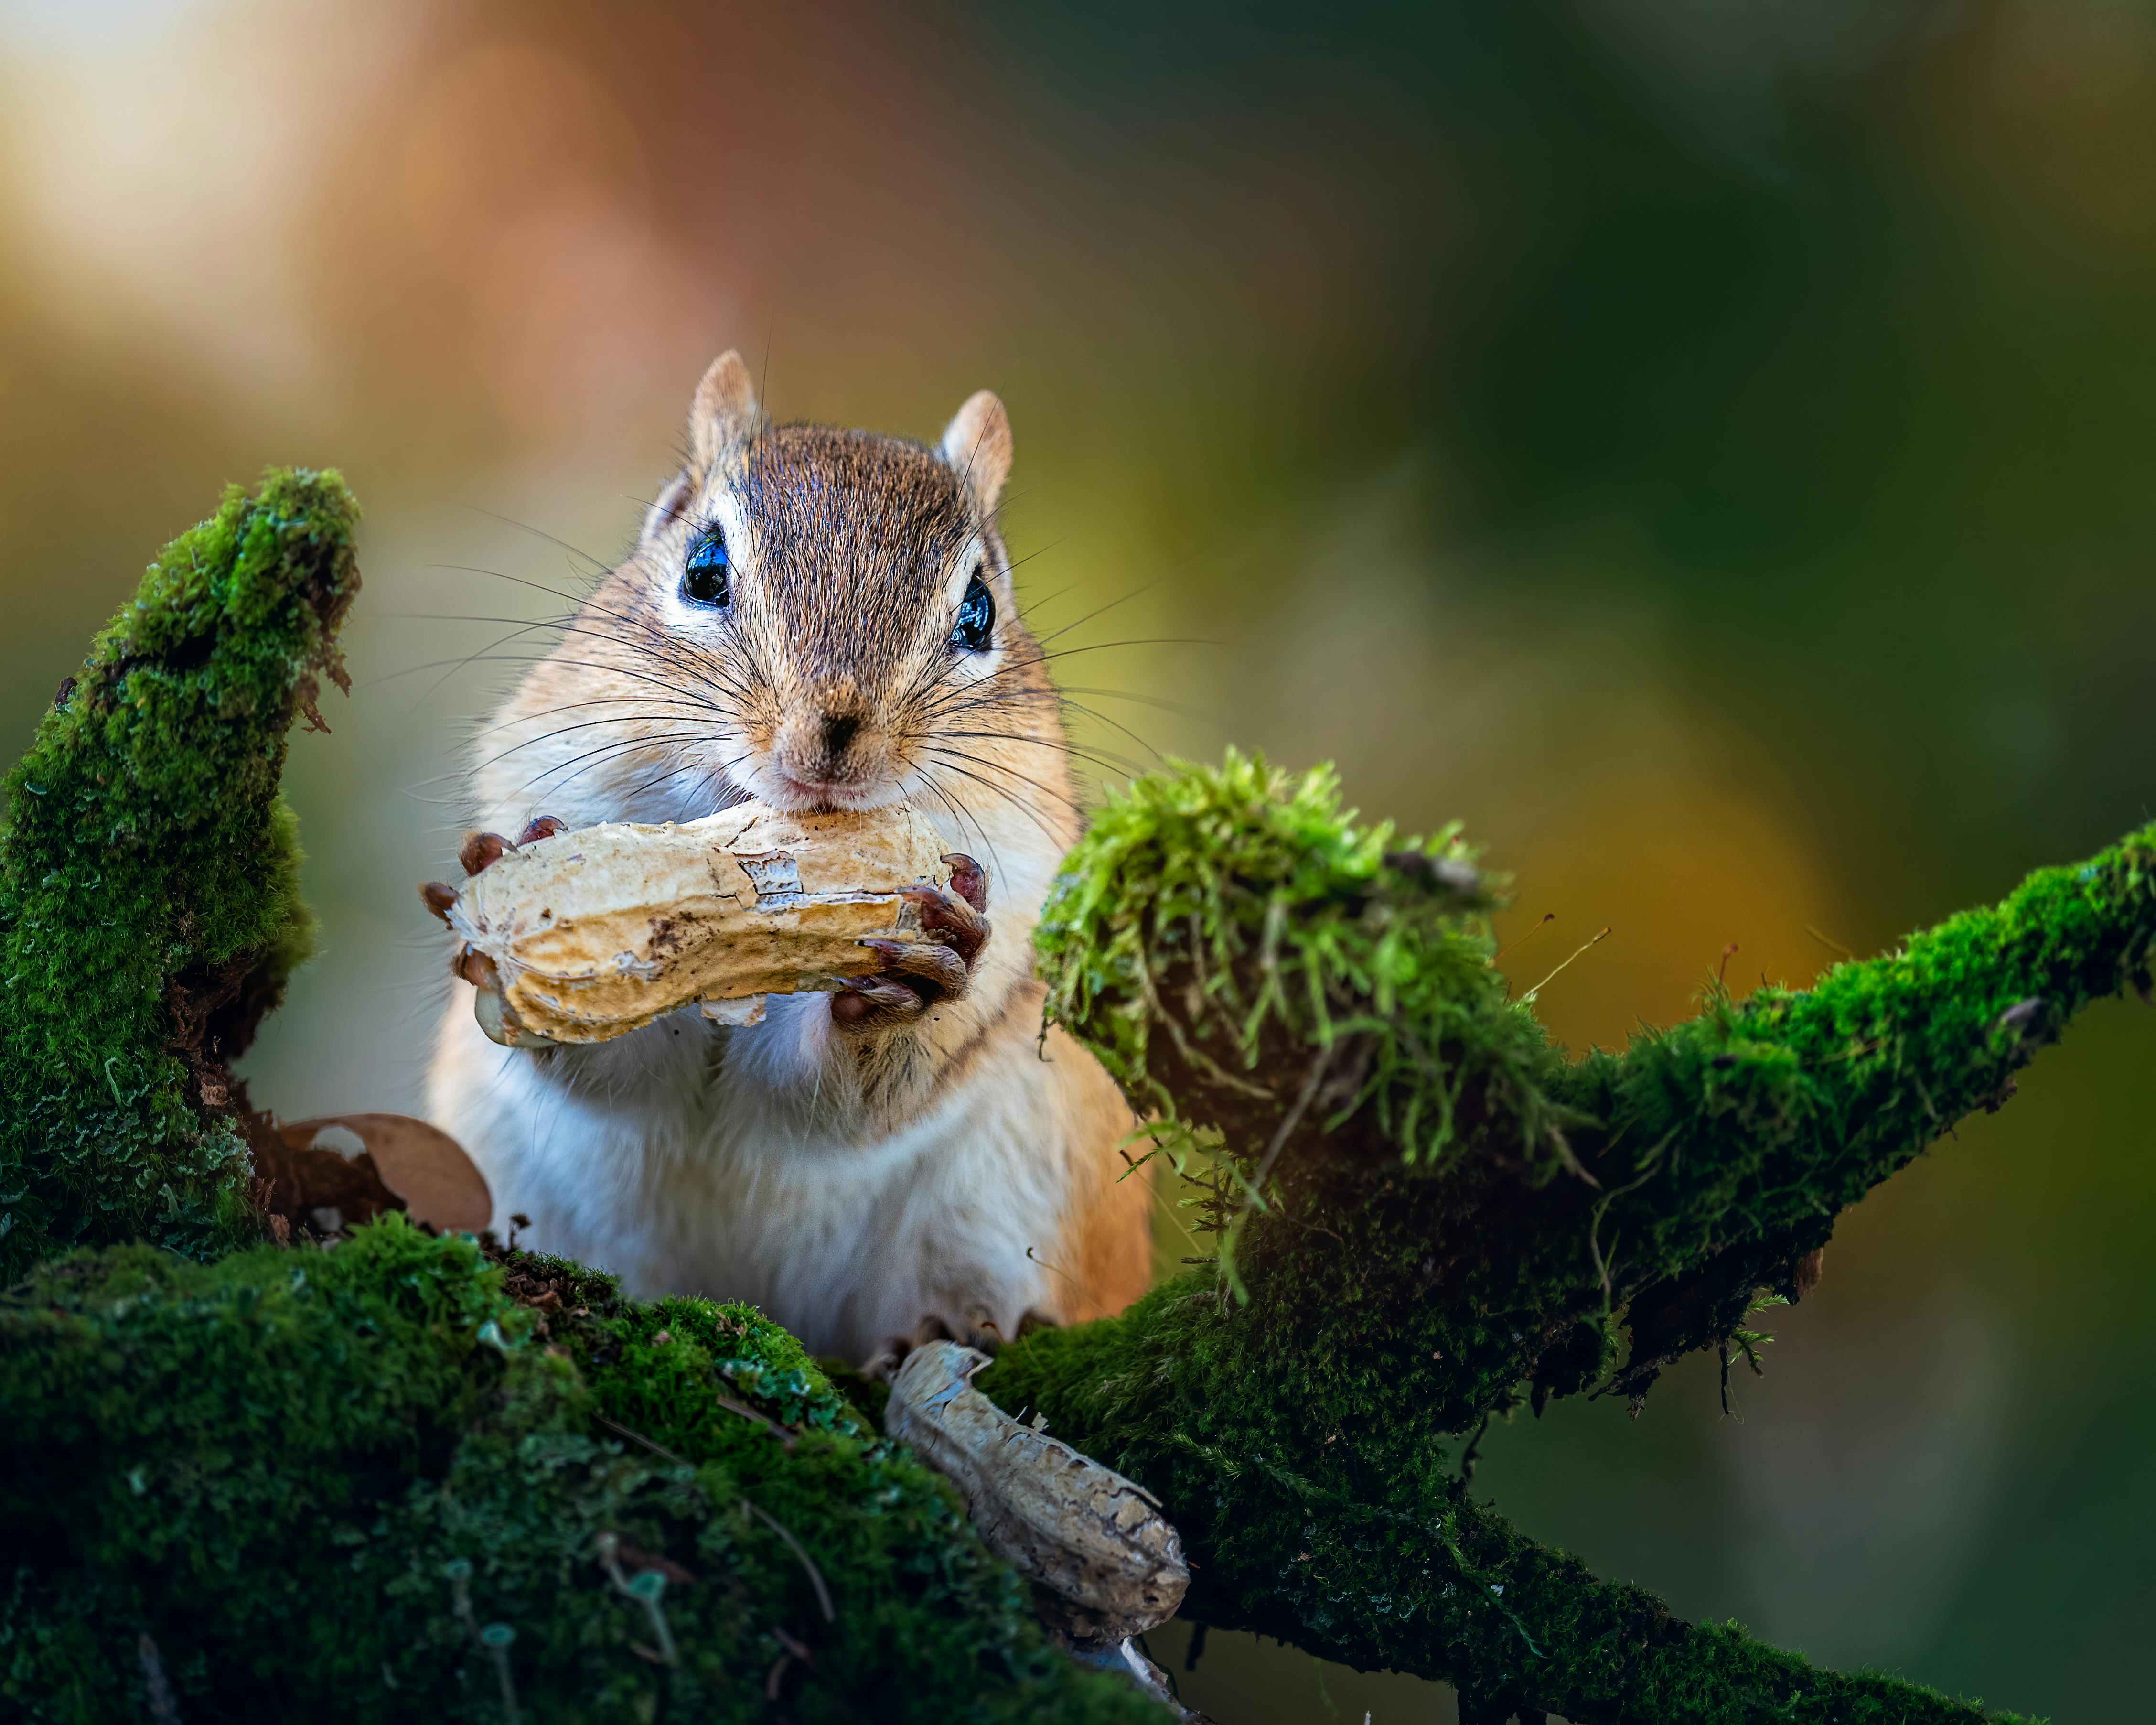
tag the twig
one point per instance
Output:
(1473, 1453)
(1602, 1208)
(1828, 940)
(163, 1709)
(807, 1562)
(785, 1436)
(656, 1448)
(1253, 1187)
(1269, 965)
(1293, 1118)
(1212, 1000)
(494, 1639)
(1196, 1056)
(1548, 917)
(1527, 997)
(1293, 1220)
(1159, 1197)
(1034, 1256)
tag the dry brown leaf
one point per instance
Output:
(411, 1161)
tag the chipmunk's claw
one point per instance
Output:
(980, 1331)
(913, 975)
(940, 968)
(968, 879)
(869, 1000)
(482, 850)
(955, 922)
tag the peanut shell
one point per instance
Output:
(592, 933)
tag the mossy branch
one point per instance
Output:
(1435, 1215)
(149, 902)
(1730, 1141)
(451, 1481)
(398, 1480)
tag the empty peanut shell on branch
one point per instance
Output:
(1111, 1563)
(584, 936)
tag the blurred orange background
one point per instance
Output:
(1708, 449)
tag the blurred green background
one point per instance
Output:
(1709, 446)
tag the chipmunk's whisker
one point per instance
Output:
(661, 640)
(1131, 695)
(608, 750)
(544, 737)
(1113, 724)
(1060, 745)
(1144, 641)
(599, 566)
(490, 657)
(1016, 802)
(986, 765)
(962, 815)
(1098, 611)
(690, 663)
(687, 767)
(571, 706)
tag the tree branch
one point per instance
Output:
(148, 892)
(1491, 1217)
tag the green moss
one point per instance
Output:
(365, 1482)
(149, 904)
(1214, 923)
(1733, 1138)
(1341, 1525)
(274, 1464)
(380, 1480)
(1569, 1227)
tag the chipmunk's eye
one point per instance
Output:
(704, 576)
(977, 617)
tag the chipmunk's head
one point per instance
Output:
(823, 619)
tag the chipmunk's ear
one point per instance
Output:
(723, 414)
(978, 443)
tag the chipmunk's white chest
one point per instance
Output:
(735, 1178)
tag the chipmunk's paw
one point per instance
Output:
(478, 853)
(481, 851)
(911, 976)
(979, 1330)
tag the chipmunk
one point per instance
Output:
(816, 619)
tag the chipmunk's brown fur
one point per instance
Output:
(907, 1156)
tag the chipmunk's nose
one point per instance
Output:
(838, 730)
(831, 752)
